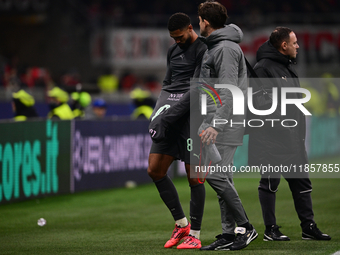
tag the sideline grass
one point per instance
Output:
(135, 221)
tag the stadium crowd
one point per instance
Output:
(99, 14)
(15, 75)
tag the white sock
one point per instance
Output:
(195, 233)
(182, 222)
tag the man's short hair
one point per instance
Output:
(279, 35)
(179, 21)
(214, 12)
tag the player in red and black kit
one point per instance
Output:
(173, 141)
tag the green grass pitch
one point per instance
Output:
(135, 221)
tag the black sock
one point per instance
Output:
(169, 195)
(247, 225)
(197, 206)
(269, 227)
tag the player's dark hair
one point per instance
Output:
(179, 21)
(214, 12)
(279, 35)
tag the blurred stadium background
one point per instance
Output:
(116, 51)
(109, 48)
(63, 43)
(112, 49)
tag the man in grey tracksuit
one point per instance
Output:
(224, 63)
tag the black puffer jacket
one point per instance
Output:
(278, 145)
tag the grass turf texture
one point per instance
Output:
(135, 221)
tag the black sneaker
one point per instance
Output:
(274, 234)
(313, 233)
(220, 244)
(243, 238)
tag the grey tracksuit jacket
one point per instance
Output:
(224, 63)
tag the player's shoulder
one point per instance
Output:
(199, 44)
(172, 48)
(197, 48)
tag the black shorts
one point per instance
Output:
(182, 141)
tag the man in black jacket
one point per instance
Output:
(278, 145)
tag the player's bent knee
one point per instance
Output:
(151, 173)
(193, 181)
(155, 175)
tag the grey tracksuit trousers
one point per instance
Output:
(231, 207)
